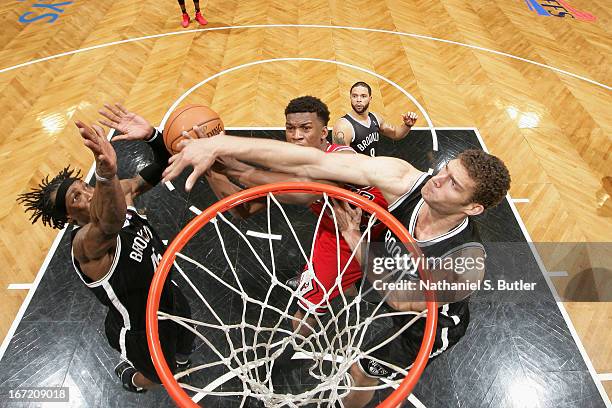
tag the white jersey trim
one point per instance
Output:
(129, 207)
(413, 220)
(124, 313)
(360, 122)
(110, 272)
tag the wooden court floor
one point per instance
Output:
(537, 88)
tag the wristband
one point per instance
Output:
(100, 178)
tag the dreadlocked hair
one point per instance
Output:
(39, 201)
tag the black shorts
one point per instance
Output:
(173, 338)
(403, 350)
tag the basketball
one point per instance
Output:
(184, 118)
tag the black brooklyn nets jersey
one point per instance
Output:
(453, 318)
(365, 139)
(125, 287)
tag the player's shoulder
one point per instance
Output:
(343, 123)
(377, 116)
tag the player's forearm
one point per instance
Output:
(273, 154)
(256, 177)
(352, 239)
(108, 205)
(397, 132)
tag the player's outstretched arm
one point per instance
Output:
(108, 208)
(392, 176)
(401, 131)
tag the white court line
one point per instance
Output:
(195, 210)
(557, 273)
(322, 26)
(169, 186)
(605, 377)
(415, 401)
(520, 200)
(553, 290)
(26, 302)
(39, 275)
(19, 286)
(264, 235)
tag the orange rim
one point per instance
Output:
(179, 396)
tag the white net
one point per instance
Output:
(243, 312)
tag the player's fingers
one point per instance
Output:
(108, 124)
(84, 130)
(193, 178)
(199, 132)
(183, 143)
(108, 116)
(174, 169)
(99, 131)
(113, 109)
(186, 134)
(121, 108)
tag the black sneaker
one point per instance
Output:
(182, 366)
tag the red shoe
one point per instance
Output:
(186, 20)
(200, 18)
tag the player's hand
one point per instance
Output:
(95, 140)
(192, 152)
(409, 118)
(348, 218)
(131, 125)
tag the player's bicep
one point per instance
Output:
(342, 133)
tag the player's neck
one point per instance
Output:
(361, 116)
(431, 223)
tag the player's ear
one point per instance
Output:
(474, 209)
(324, 133)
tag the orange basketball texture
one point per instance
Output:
(184, 118)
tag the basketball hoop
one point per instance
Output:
(251, 385)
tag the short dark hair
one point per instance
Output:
(490, 175)
(308, 104)
(361, 83)
(39, 201)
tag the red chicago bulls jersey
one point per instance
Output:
(320, 280)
